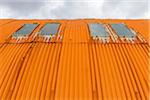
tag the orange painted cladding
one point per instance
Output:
(76, 68)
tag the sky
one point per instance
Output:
(73, 9)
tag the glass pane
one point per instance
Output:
(49, 28)
(25, 30)
(98, 30)
(122, 30)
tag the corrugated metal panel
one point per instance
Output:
(5, 21)
(76, 31)
(76, 68)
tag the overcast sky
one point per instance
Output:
(70, 9)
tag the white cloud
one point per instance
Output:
(53, 9)
(5, 12)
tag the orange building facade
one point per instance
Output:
(73, 65)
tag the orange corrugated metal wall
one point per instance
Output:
(76, 68)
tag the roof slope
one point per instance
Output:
(77, 67)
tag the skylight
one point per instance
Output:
(25, 30)
(97, 29)
(49, 29)
(123, 31)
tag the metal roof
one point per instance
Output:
(77, 67)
